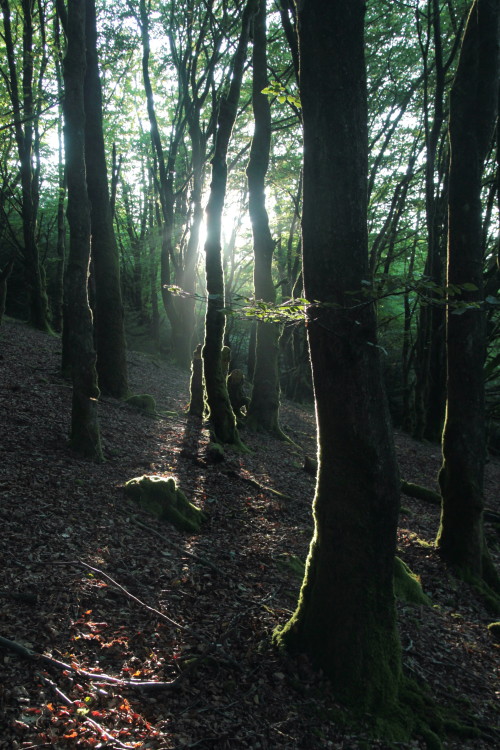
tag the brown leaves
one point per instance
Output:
(235, 691)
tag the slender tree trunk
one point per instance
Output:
(85, 437)
(222, 418)
(166, 191)
(263, 410)
(186, 305)
(430, 361)
(23, 110)
(345, 619)
(473, 111)
(4, 275)
(108, 320)
(58, 300)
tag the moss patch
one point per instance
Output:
(292, 563)
(142, 402)
(407, 586)
(162, 498)
(215, 453)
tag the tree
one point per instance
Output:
(430, 355)
(263, 409)
(108, 314)
(473, 111)
(345, 619)
(84, 436)
(220, 412)
(26, 113)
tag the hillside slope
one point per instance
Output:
(90, 581)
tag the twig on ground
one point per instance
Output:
(83, 673)
(131, 596)
(85, 720)
(178, 548)
(254, 483)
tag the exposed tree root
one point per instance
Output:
(434, 498)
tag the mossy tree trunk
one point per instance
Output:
(345, 619)
(26, 112)
(473, 109)
(221, 415)
(108, 313)
(263, 410)
(84, 436)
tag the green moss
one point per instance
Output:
(215, 453)
(292, 563)
(407, 586)
(490, 597)
(142, 402)
(424, 543)
(162, 498)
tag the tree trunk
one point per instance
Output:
(345, 618)
(473, 109)
(23, 111)
(58, 298)
(263, 410)
(166, 169)
(85, 437)
(221, 415)
(108, 314)
(429, 364)
(4, 275)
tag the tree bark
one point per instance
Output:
(108, 313)
(345, 619)
(221, 415)
(473, 110)
(84, 437)
(263, 410)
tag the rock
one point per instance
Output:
(142, 402)
(161, 497)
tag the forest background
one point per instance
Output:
(185, 117)
(163, 70)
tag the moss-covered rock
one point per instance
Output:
(407, 586)
(142, 402)
(161, 497)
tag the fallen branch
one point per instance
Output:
(28, 653)
(434, 498)
(85, 720)
(257, 485)
(127, 593)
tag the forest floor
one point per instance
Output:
(90, 581)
